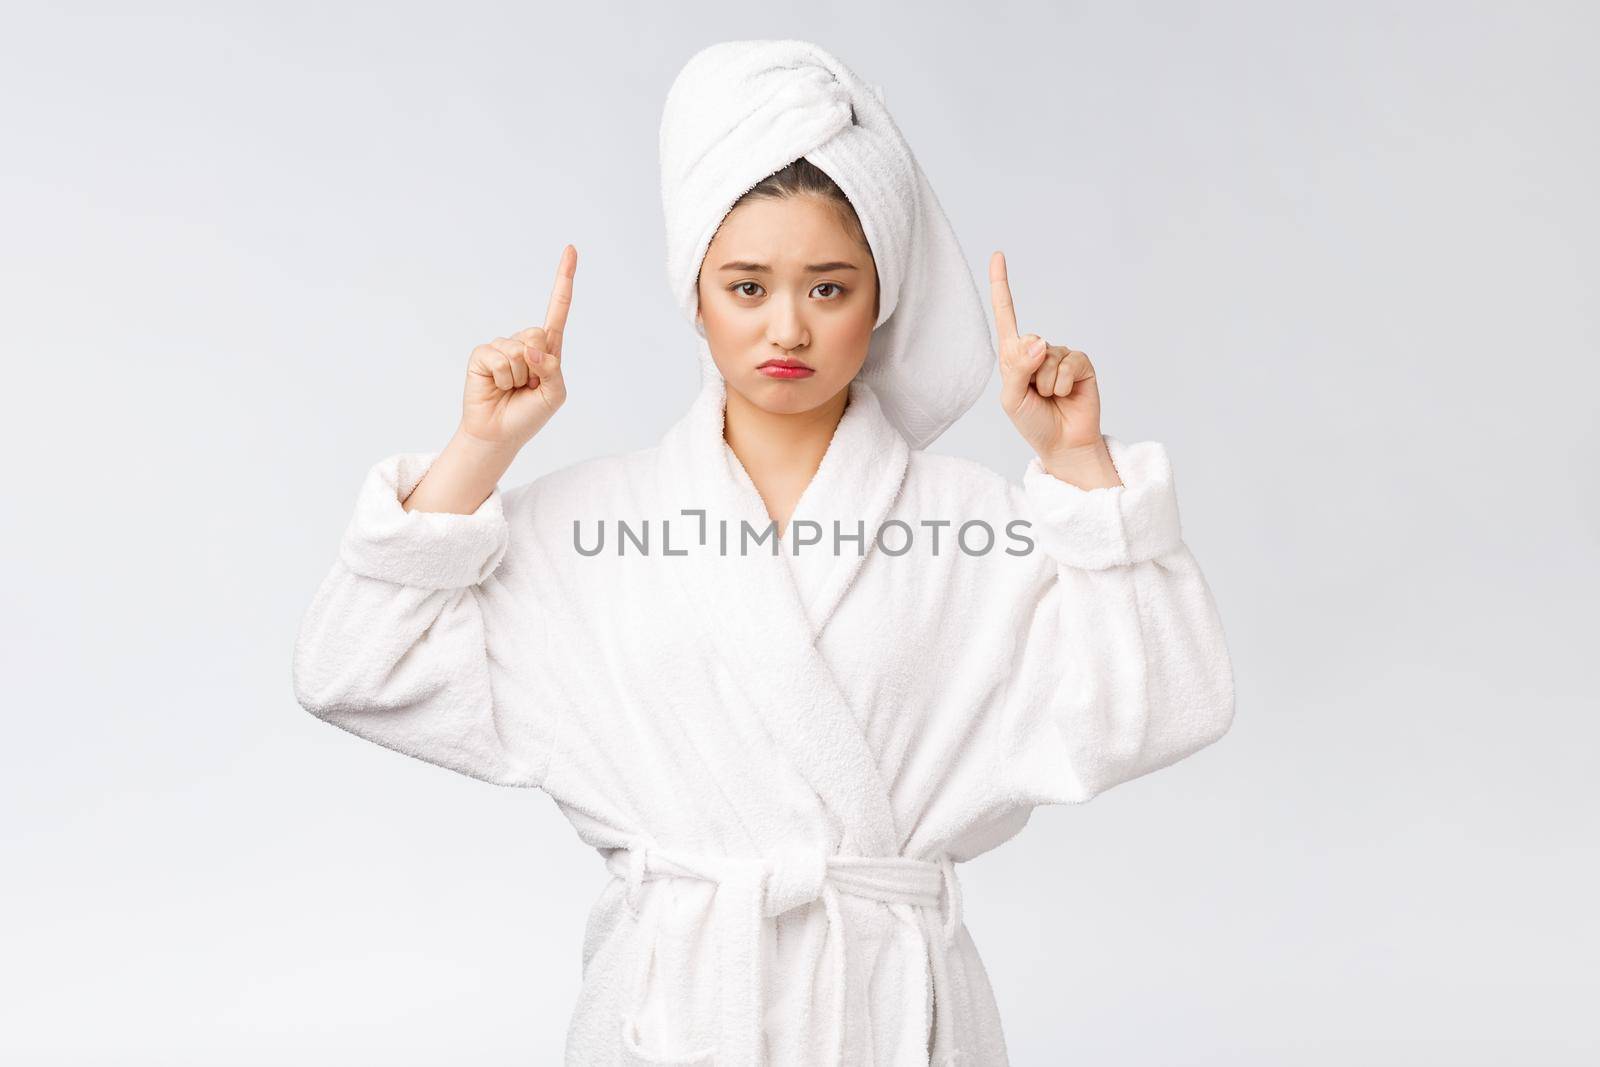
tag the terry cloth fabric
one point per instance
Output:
(740, 111)
(782, 759)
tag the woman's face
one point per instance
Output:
(786, 281)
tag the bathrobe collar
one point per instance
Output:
(763, 613)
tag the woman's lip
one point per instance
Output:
(780, 370)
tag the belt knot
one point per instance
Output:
(795, 875)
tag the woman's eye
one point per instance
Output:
(743, 289)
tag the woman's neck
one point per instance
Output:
(781, 453)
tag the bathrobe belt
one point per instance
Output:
(752, 890)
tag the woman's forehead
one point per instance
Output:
(796, 233)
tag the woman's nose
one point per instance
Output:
(786, 326)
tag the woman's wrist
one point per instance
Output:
(1085, 466)
(463, 475)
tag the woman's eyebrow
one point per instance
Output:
(762, 268)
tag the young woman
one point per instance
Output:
(785, 668)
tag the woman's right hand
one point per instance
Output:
(514, 383)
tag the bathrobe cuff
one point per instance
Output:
(425, 549)
(1097, 528)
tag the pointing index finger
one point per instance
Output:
(1005, 312)
(555, 316)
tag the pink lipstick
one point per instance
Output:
(785, 369)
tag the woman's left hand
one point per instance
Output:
(1050, 393)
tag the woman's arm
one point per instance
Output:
(395, 646)
(413, 641)
(1124, 668)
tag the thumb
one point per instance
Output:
(1017, 368)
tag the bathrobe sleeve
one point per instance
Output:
(396, 645)
(1123, 667)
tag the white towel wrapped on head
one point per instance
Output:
(740, 111)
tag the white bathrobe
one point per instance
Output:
(780, 758)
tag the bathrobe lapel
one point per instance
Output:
(762, 613)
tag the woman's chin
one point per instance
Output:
(791, 403)
(786, 397)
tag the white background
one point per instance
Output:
(1340, 259)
